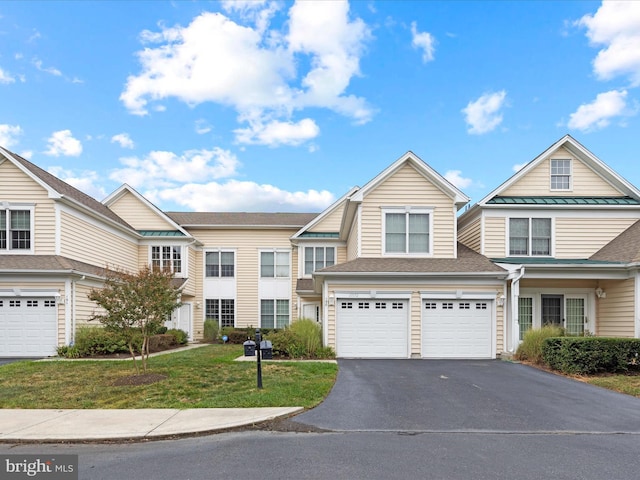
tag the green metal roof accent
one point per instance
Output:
(320, 235)
(498, 200)
(161, 233)
(552, 261)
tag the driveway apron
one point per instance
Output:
(467, 396)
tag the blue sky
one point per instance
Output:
(281, 106)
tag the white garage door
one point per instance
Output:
(372, 328)
(28, 327)
(457, 328)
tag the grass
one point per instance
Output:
(629, 384)
(205, 377)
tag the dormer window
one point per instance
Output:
(560, 174)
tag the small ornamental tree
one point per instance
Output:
(136, 304)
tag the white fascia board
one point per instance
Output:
(330, 209)
(413, 275)
(126, 188)
(586, 272)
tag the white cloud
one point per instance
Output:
(51, 70)
(616, 27)
(518, 166)
(278, 133)
(27, 154)
(455, 177)
(598, 114)
(5, 77)
(310, 65)
(9, 135)
(424, 41)
(483, 115)
(166, 169)
(242, 196)
(202, 126)
(85, 181)
(123, 139)
(63, 143)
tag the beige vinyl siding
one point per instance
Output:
(407, 187)
(247, 244)
(582, 237)
(194, 270)
(19, 188)
(86, 242)
(330, 223)
(353, 241)
(616, 312)
(471, 235)
(494, 237)
(415, 328)
(538, 181)
(196, 277)
(84, 308)
(138, 215)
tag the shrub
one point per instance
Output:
(162, 341)
(210, 331)
(309, 333)
(587, 355)
(181, 337)
(302, 339)
(531, 347)
(68, 351)
(93, 341)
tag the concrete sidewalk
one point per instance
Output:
(100, 425)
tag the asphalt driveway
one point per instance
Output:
(467, 396)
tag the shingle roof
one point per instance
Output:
(304, 285)
(50, 263)
(542, 200)
(552, 261)
(468, 261)
(68, 191)
(240, 219)
(624, 248)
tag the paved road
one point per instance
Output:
(455, 395)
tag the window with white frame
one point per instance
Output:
(274, 264)
(530, 236)
(167, 257)
(220, 264)
(221, 310)
(15, 229)
(407, 231)
(316, 258)
(560, 174)
(274, 313)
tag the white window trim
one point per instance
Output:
(301, 257)
(9, 207)
(220, 250)
(552, 246)
(275, 310)
(274, 251)
(570, 189)
(183, 260)
(406, 210)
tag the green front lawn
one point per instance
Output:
(205, 377)
(629, 384)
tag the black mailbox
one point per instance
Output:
(249, 348)
(266, 349)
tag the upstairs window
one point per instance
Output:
(167, 257)
(15, 229)
(316, 258)
(530, 236)
(407, 232)
(274, 264)
(560, 174)
(219, 264)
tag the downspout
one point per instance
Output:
(325, 313)
(515, 293)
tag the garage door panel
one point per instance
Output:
(371, 328)
(28, 326)
(457, 329)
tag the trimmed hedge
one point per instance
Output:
(587, 355)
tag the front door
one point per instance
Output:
(311, 311)
(552, 310)
(575, 311)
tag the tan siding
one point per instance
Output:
(330, 223)
(538, 180)
(471, 235)
(494, 237)
(196, 276)
(247, 244)
(15, 186)
(582, 237)
(616, 312)
(84, 241)
(84, 308)
(138, 215)
(352, 243)
(416, 308)
(408, 187)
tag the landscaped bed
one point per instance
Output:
(205, 377)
